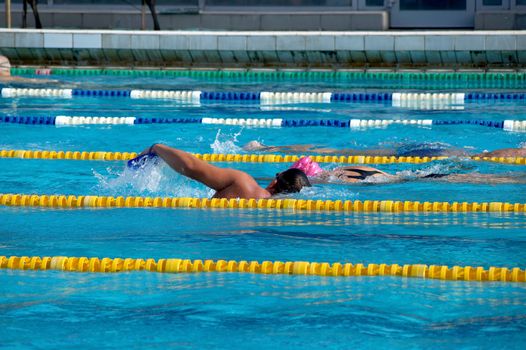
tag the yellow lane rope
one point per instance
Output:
(243, 158)
(70, 201)
(84, 264)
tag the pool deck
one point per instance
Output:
(279, 49)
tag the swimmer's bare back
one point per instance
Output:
(6, 77)
(505, 152)
(15, 79)
(484, 179)
(351, 174)
(315, 149)
(356, 174)
(259, 147)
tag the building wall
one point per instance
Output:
(329, 50)
(197, 15)
(207, 20)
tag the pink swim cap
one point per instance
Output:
(308, 166)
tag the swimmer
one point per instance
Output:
(259, 147)
(357, 174)
(429, 150)
(227, 182)
(504, 152)
(6, 77)
(347, 174)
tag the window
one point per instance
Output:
(492, 2)
(279, 3)
(136, 3)
(425, 5)
(375, 3)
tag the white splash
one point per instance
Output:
(151, 180)
(444, 167)
(225, 143)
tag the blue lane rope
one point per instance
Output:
(397, 98)
(154, 120)
(488, 123)
(348, 97)
(509, 125)
(495, 96)
(314, 122)
(101, 93)
(28, 120)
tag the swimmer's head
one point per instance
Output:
(5, 66)
(308, 166)
(289, 181)
(253, 146)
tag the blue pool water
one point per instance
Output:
(49, 309)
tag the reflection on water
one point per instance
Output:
(249, 311)
(246, 309)
(286, 218)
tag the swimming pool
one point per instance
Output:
(225, 310)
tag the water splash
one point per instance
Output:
(226, 143)
(326, 192)
(443, 167)
(151, 180)
(428, 149)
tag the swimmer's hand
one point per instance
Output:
(142, 159)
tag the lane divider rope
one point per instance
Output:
(507, 125)
(108, 265)
(244, 158)
(389, 206)
(486, 78)
(397, 99)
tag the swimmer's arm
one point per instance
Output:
(477, 178)
(257, 146)
(504, 152)
(296, 148)
(349, 151)
(15, 79)
(188, 165)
